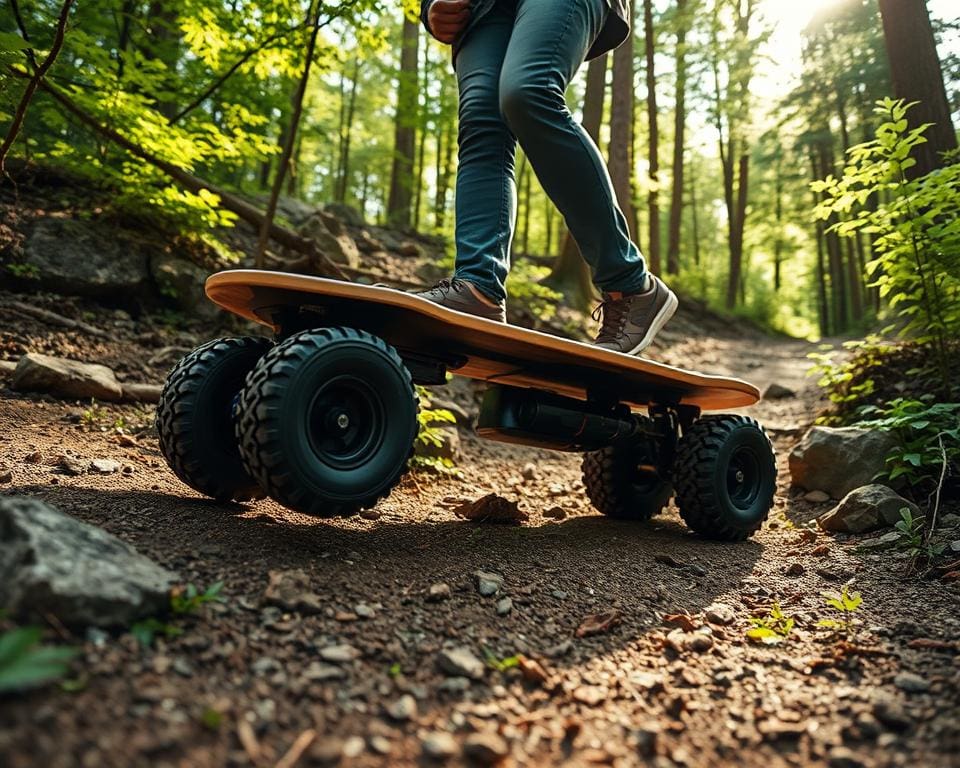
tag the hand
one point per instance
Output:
(447, 18)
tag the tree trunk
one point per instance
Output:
(571, 274)
(400, 200)
(917, 76)
(291, 135)
(653, 148)
(679, 132)
(621, 135)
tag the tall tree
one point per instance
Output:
(571, 274)
(683, 18)
(620, 151)
(917, 76)
(653, 144)
(400, 200)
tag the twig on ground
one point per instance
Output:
(52, 317)
(293, 755)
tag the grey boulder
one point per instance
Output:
(65, 378)
(837, 460)
(866, 509)
(87, 258)
(52, 564)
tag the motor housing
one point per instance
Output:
(532, 417)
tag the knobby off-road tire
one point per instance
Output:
(622, 482)
(725, 475)
(328, 421)
(195, 418)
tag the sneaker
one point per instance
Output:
(454, 293)
(631, 322)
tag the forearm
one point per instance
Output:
(425, 16)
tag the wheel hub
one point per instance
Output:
(345, 422)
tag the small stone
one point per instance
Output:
(529, 471)
(353, 747)
(795, 569)
(182, 667)
(345, 616)
(842, 757)
(33, 458)
(318, 672)
(504, 606)
(485, 748)
(719, 613)
(454, 685)
(71, 465)
(364, 611)
(698, 643)
(911, 683)
(555, 513)
(6, 476)
(104, 466)
(866, 509)
(816, 497)
(559, 594)
(404, 708)
(439, 745)
(488, 583)
(954, 545)
(461, 662)
(776, 391)
(560, 649)
(380, 744)
(889, 712)
(339, 654)
(438, 592)
(290, 590)
(325, 751)
(697, 570)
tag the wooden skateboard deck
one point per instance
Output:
(476, 348)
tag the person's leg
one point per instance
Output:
(486, 192)
(549, 41)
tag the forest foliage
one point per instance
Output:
(695, 150)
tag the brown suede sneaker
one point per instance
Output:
(462, 296)
(631, 322)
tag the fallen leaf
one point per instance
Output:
(820, 551)
(533, 671)
(683, 620)
(597, 623)
(671, 561)
(491, 509)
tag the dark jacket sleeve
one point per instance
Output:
(424, 10)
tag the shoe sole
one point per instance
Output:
(661, 319)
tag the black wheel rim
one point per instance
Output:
(744, 479)
(346, 422)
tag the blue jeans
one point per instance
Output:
(512, 70)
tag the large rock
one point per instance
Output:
(336, 245)
(866, 509)
(181, 281)
(346, 213)
(837, 460)
(66, 378)
(53, 564)
(87, 258)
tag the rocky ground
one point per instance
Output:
(370, 641)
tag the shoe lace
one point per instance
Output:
(449, 284)
(613, 313)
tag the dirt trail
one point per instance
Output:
(625, 697)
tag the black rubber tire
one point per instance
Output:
(725, 475)
(617, 486)
(288, 434)
(195, 418)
